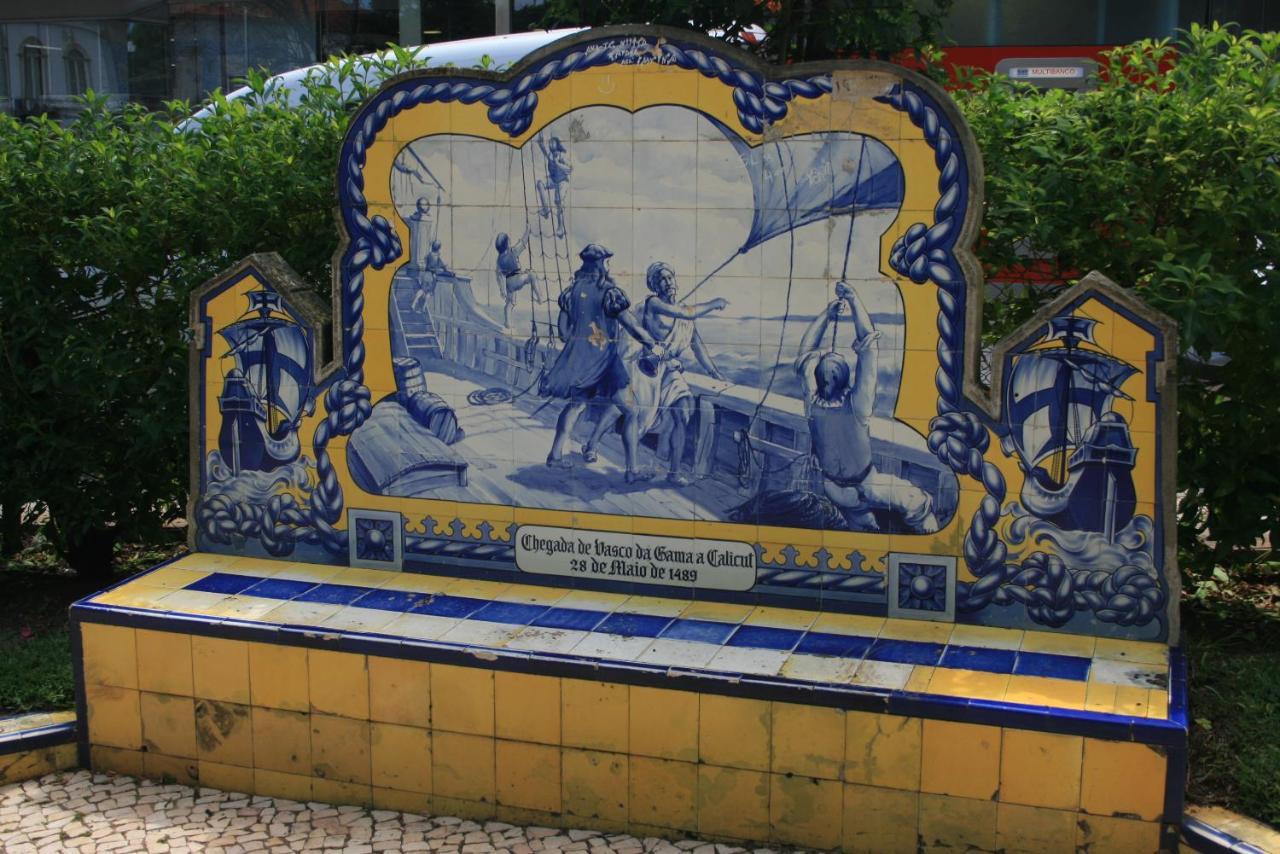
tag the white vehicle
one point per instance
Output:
(495, 52)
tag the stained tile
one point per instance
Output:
(278, 588)
(444, 605)
(978, 658)
(332, 594)
(904, 652)
(841, 646)
(390, 600)
(633, 625)
(513, 613)
(569, 618)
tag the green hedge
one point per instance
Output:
(1166, 178)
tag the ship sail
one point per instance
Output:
(273, 356)
(815, 176)
(1055, 395)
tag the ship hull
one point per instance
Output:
(245, 444)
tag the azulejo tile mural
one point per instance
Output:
(642, 315)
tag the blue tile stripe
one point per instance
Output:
(1074, 668)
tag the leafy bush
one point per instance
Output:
(108, 224)
(1167, 179)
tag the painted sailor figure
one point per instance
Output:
(511, 275)
(589, 368)
(840, 400)
(553, 186)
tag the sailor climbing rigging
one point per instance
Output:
(512, 276)
(552, 188)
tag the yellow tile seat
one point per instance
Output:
(32, 745)
(650, 715)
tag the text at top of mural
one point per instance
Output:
(638, 289)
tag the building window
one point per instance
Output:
(77, 66)
(33, 69)
(4, 63)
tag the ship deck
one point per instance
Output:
(506, 446)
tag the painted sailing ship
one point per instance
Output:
(268, 389)
(1076, 451)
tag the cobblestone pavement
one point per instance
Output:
(83, 811)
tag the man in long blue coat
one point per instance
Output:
(589, 368)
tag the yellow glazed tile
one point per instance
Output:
(462, 767)
(164, 662)
(960, 759)
(781, 618)
(663, 793)
(989, 637)
(221, 669)
(341, 792)
(399, 692)
(228, 778)
(808, 740)
(470, 810)
(527, 707)
(224, 732)
(114, 718)
(400, 757)
(168, 724)
(1040, 769)
(664, 723)
(950, 823)
(1157, 703)
(723, 612)
(117, 760)
(733, 802)
(1099, 835)
(282, 740)
(462, 699)
(882, 750)
(277, 784)
(916, 630)
(338, 684)
(1131, 700)
(528, 775)
(278, 676)
(975, 684)
(879, 821)
(340, 749)
(110, 655)
(171, 769)
(849, 624)
(1045, 691)
(1033, 830)
(594, 784)
(918, 681)
(1123, 778)
(1138, 652)
(802, 809)
(418, 803)
(734, 732)
(593, 715)
(1100, 697)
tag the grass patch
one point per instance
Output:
(1232, 640)
(35, 642)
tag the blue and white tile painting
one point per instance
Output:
(596, 321)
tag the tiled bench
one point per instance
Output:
(651, 715)
(32, 745)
